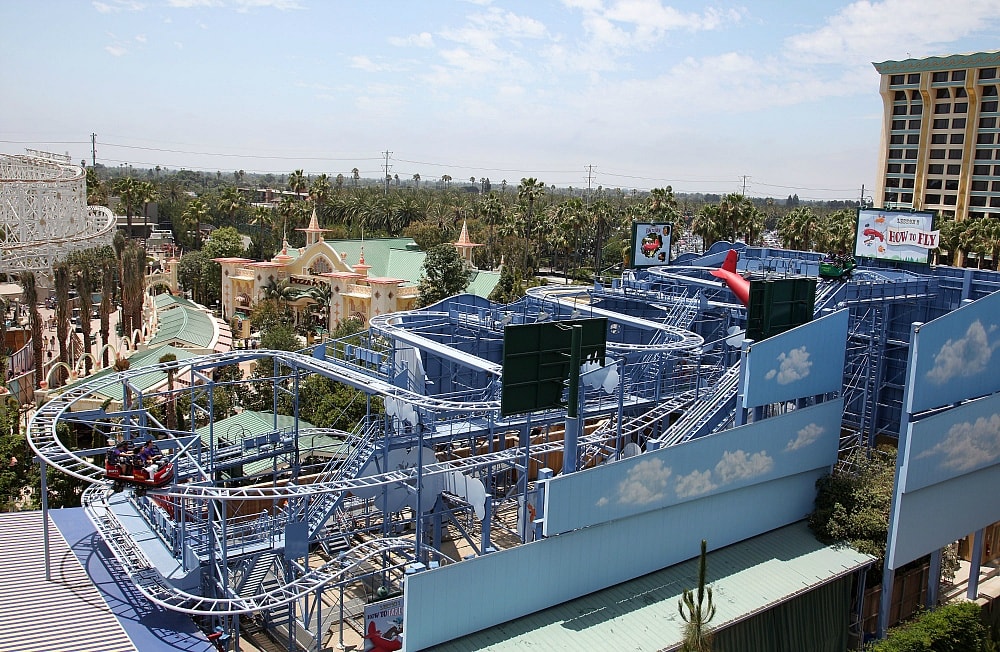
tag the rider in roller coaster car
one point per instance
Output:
(151, 457)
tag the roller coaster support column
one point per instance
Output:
(741, 412)
(573, 403)
(45, 522)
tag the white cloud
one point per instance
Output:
(968, 446)
(694, 484)
(421, 40)
(740, 466)
(602, 502)
(115, 50)
(187, 4)
(792, 366)
(866, 31)
(644, 483)
(963, 357)
(140, 38)
(805, 436)
(114, 6)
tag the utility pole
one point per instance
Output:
(590, 177)
(93, 149)
(387, 154)
(744, 185)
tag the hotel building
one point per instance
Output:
(940, 135)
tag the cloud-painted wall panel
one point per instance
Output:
(450, 601)
(952, 356)
(952, 443)
(805, 361)
(799, 441)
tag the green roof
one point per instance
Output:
(137, 361)
(184, 325)
(641, 614)
(377, 253)
(483, 283)
(405, 264)
(249, 423)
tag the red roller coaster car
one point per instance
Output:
(124, 464)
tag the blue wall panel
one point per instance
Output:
(462, 598)
(952, 356)
(958, 441)
(805, 361)
(801, 440)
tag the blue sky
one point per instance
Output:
(699, 96)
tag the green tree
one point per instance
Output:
(194, 215)
(85, 289)
(133, 288)
(956, 627)
(171, 407)
(697, 610)
(224, 243)
(444, 274)
(107, 305)
(852, 504)
(61, 274)
(132, 195)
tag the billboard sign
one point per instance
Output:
(384, 624)
(895, 235)
(650, 244)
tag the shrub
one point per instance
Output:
(953, 628)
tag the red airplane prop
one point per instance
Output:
(739, 285)
(381, 644)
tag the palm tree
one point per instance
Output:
(194, 215)
(107, 292)
(30, 298)
(416, 180)
(84, 288)
(322, 295)
(259, 217)
(130, 192)
(297, 182)
(529, 190)
(697, 612)
(133, 288)
(950, 240)
(147, 193)
(320, 192)
(231, 202)
(355, 176)
(61, 271)
(171, 400)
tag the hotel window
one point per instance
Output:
(911, 154)
(942, 108)
(909, 168)
(935, 153)
(977, 201)
(898, 125)
(989, 91)
(899, 96)
(892, 168)
(994, 202)
(896, 140)
(957, 139)
(932, 199)
(942, 93)
(914, 77)
(984, 154)
(996, 171)
(941, 123)
(950, 200)
(906, 197)
(940, 77)
(961, 107)
(985, 73)
(892, 183)
(980, 186)
(907, 183)
(899, 109)
(960, 92)
(955, 154)
(913, 139)
(984, 139)
(958, 123)
(995, 186)
(914, 124)
(989, 107)
(954, 169)
(935, 168)
(981, 170)
(939, 139)
(934, 184)
(917, 109)
(957, 75)
(896, 79)
(951, 184)
(898, 153)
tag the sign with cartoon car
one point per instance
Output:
(650, 244)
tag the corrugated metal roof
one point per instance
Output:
(483, 283)
(405, 264)
(137, 361)
(641, 614)
(164, 301)
(184, 325)
(377, 252)
(67, 613)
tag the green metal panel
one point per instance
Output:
(536, 361)
(779, 305)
